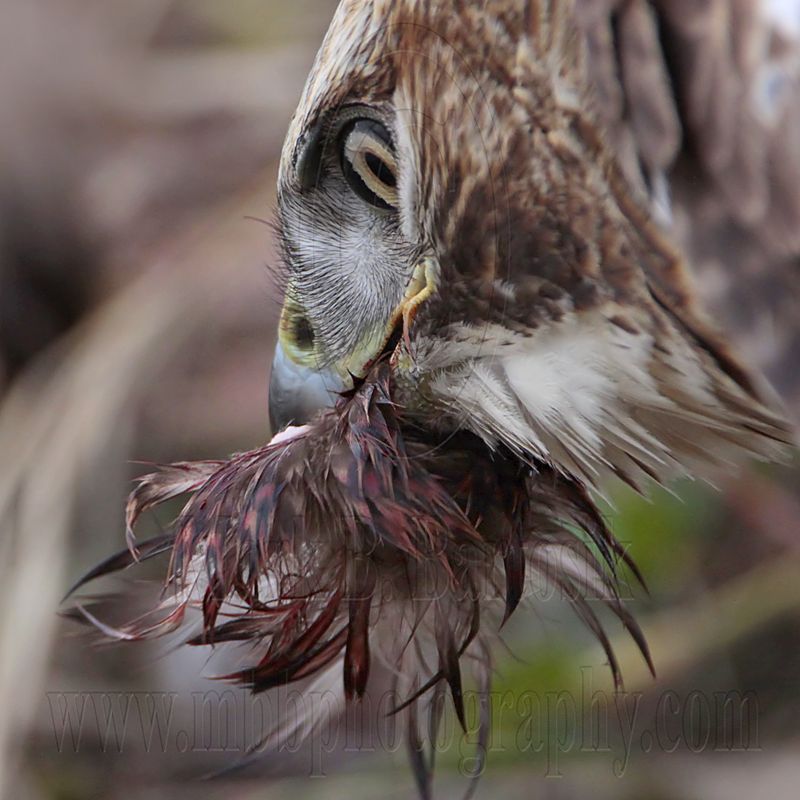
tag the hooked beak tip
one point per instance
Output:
(297, 392)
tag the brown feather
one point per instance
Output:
(359, 526)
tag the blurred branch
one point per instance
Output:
(59, 420)
(682, 637)
(176, 86)
(94, 62)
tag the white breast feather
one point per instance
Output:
(593, 399)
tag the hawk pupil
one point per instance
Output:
(380, 170)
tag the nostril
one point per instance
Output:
(303, 333)
(296, 333)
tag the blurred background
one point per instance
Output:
(138, 302)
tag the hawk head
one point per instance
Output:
(447, 197)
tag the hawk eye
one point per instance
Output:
(368, 163)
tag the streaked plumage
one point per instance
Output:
(485, 209)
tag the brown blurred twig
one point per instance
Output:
(58, 424)
(680, 638)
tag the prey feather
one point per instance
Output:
(359, 536)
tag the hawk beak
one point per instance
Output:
(297, 391)
(299, 386)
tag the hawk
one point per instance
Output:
(487, 209)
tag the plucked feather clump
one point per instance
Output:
(355, 536)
